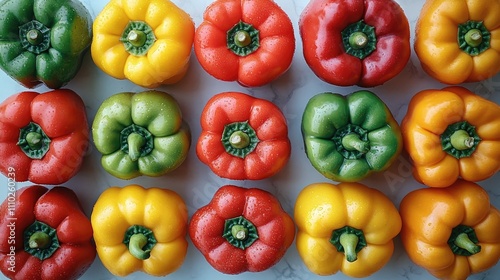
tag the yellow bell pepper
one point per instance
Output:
(348, 227)
(145, 41)
(451, 232)
(139, 229)
(452, 133)
(458, 41)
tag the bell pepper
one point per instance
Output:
(251, 42)
(140, 229)
(43, 41)
(357, 42)
(140, 134)
(347, 227)
(452, 133)
(347, 138)
(43, 136)
(44, 234)
(242, 230)
(458, 41)
(147, 42)
(243, 137)
(451, 232)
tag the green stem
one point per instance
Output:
(358, 40)
(33, 141)
(135, 144)
(349, 241)
(463, 241)
(136, 244)
(239, 139)
(352, 142)
(34, 36)
(137, 38)
(474, 37)
(240, 232)
(39, 240)
(461, 140)
(242, 38)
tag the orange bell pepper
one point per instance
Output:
(452, 133)
(451, 232)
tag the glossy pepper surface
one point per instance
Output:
(251, 42)
(347, 227)
(347, 138)
(459, 41)
(45, 235)
(355, 42)
(243, 137)
(43, 41)
(147, 42)
(140, 134)
(140, 229)
(451, 232)
(43, 136)
(452, 133)
(242, 230)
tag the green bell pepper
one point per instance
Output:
(43, 41)
(140, 134)
(347, 138)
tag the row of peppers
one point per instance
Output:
(450, 135)
(361, 42)
(349, 228)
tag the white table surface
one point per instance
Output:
(196, 183)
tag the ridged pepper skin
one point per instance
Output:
(43, 136)
(355, 42)
(348, 138)
(243, 137)
(347, 227)
(140, 229)
(452, 133)
(141, 134)
(242, 230)
(44, 235)
(451, 232)
(43, 41)
(251, 42)
(147, 41)
(458, 41)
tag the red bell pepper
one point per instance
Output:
(248, 41)
(355, 42)
(242, 230)
(44, 234)
(43, 136)
(243, 137)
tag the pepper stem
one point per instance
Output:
(352, 142)
(39, 240)
(239, 139)
(137, 38)
(34, 37)
(135, 144)
(349, 241)
(463, 241)
(136, 244)
(239, 232)
(34, 140)
(461, 140)
(358, 40)
(474, 37)
(242, 38)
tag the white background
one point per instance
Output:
(195, 182)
